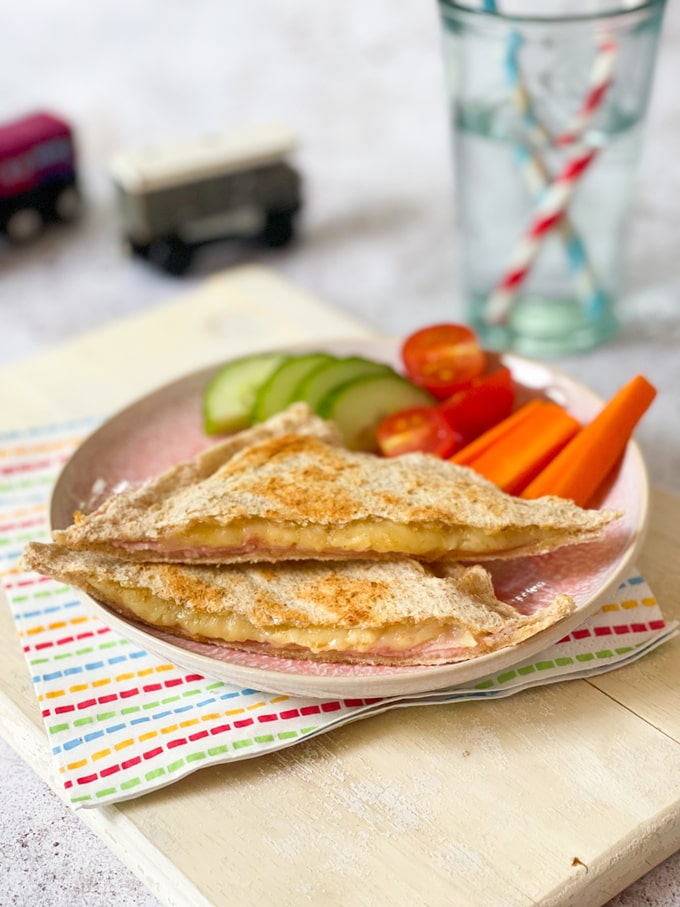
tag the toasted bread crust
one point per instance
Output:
(302, 478)
(350, 595)
(301, 594)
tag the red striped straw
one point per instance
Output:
(555, 201)
(538, 177)
(601, 78)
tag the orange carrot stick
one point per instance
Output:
(583, 465)
(526, 449)
(468, 453)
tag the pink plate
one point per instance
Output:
(165, 427)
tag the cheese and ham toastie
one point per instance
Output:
(389, 612)
(278, 493)
(279, 540)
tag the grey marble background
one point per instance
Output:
(361, 83)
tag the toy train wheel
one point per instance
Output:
(278, 229)
(67, 204)
(24, 225)
(172, 255)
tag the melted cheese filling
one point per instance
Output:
(382, 537)
(231, 627)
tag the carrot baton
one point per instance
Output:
(490, 437)
(518, 456)
(583, 465)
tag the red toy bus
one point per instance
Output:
(38, 181)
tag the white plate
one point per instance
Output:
(165, 427)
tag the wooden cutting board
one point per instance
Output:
(560, 795)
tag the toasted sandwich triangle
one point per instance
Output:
(390, 612)
(288, 491)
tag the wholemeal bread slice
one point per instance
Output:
(295, 494)
(297, 419)
(384, 612)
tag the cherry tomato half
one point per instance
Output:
(443, 358)
(484, 402)
(420, 428)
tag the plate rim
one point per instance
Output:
(421, 679)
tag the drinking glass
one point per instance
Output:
(547, 101)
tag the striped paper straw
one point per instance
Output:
(555, 201)
(538, 178)
(548, 213)
(601, 78)
(535, 130)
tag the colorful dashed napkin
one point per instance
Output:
(121, 722)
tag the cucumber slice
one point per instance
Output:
(330, 375)
(358, 407)
(229, 396)
(278, 391)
